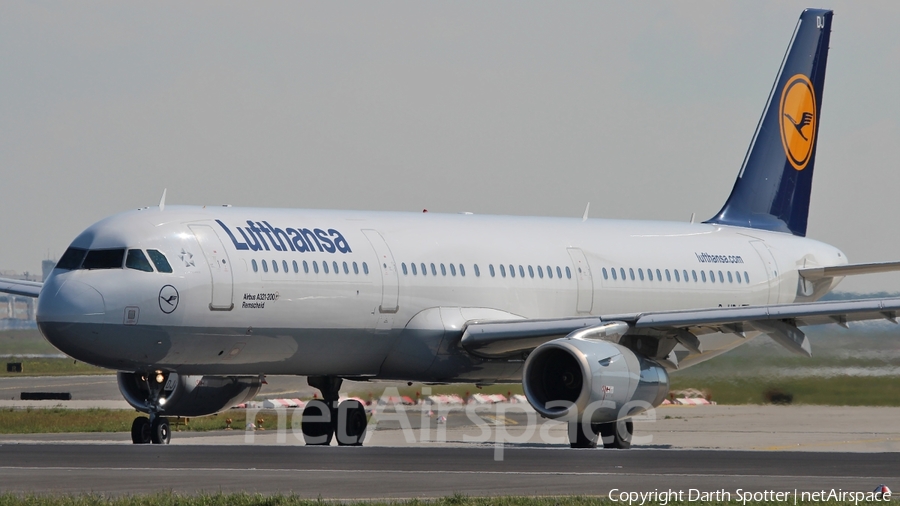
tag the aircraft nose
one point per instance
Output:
(73, 301)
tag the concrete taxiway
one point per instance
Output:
(426, 472)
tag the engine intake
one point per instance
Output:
(591, 380)
(189, 395)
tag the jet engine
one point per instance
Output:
(186, 395)
(591, 381)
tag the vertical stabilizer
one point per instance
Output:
(772, 190)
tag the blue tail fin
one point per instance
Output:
(772, 189)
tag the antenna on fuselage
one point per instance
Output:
(162, 200)
(587, 208)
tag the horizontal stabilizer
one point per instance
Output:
(848, 270)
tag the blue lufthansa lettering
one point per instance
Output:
(326, 242)
(296, 239)
(237, 244)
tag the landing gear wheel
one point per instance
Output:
(351, 423)
(583, 435)
(317, 423)
(140, 431)
(617, 434)
(160, 433)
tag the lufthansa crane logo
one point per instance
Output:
(797, 111)
(168, 299)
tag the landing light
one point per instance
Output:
(159, 377)
(162, 401)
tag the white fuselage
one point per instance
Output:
(344, 292)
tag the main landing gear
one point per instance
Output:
(324, 419)
(613, 434)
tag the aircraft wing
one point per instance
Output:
(20, 287)
(496, 339)
(815, 273)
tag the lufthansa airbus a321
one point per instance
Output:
(194, 305)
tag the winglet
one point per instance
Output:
(162, 200)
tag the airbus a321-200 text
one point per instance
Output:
(194, 305)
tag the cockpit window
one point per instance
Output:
(137, 260)
(159, 260)
(71, 259)
(104, 259)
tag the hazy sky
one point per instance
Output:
(643, 109)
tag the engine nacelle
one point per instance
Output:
(591, 381)
(189, 395)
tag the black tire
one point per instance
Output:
(140, 431)
(583, 435)
(617, 434)
(160, 432)
(351, 423)
(318, 423)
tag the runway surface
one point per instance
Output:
(333, 472)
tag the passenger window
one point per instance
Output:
(265, 266)
(335, 265)
(424, 270)
(315, 267)
(721, 277)
(433, 270)
(443, 270)
(738, 276)
(568, 273)
(138, 261)
(305, 267)
(284, 264)
(712, 277)
(325, 267)
(462, 270)
(694, 275)
(746, 277)
(684, 272)
(729, 277)
(659, 276)
(296, 268)
(522, 272)
(641, 274)
(677, 278)
(540, 272)
(622, 273)
(346, 269)
(365, 269)
(530, 271)
(158, 259)
(452, 269)
(491, 269)
(703, 276)
(512, 271)
(613, 272)
(668, 276)
(649, 274)
(550, 272)
(502, 270)
(413, 267)
(477, 271)
(253, 264)
(558, 272)
(71, 259)
(274, 265)
(605, 276)
(403, 266)
(631, 272)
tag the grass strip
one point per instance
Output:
(833, 391)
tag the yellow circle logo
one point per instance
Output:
(798, 120)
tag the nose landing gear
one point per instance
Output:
(322, 420)
(154, 429)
